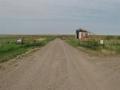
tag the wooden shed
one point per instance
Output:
(82, 34)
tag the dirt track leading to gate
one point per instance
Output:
(58, 66)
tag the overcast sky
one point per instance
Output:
(59, 16)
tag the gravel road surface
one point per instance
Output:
(59, 66)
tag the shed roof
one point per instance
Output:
(81, 30)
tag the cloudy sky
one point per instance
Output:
(59, 16)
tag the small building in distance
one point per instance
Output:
(82, 34)
(19, 41)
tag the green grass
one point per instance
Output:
(8, 52)
(73, 42)
(9, 49)
(94, 45)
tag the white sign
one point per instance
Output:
(19, 40)
(102, 42)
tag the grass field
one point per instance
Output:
(111, 43)
(9, 49)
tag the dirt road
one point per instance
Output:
(58, 66)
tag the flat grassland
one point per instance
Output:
(9, 49)
(111, 44)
